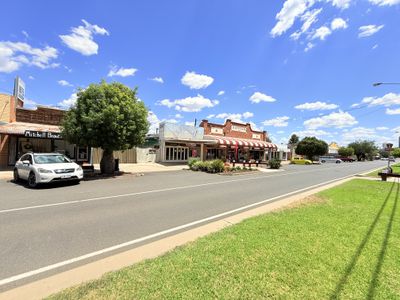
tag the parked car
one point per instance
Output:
(37, 168)
(330, 159)
(301, 161)
(347, 159)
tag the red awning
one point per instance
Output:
(19, 128)
(242, 142)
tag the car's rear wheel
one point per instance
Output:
(32, 180)
(16, 175)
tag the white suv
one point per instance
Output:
(39, 168)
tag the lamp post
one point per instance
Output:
(384, 83)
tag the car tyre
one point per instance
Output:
(16, 175)
(307, 163)
(32, 182)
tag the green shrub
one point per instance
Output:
(274, 163)
(192, 161)
(196, 166)
(216, 166)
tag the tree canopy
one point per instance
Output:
(294, 139)
(346, 151)
(311, 146)
(396, 152)
(107, 116)
(364, 149)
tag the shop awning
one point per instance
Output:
(242, 142)
(19, 128)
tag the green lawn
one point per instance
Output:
(395, 167)
(344, 244)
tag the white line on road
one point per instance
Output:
(152, 191)
(158, 234)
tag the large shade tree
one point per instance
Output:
(346, 151)
(107, 116)
(311, 146)
(364, 149)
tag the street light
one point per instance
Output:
(381, 83)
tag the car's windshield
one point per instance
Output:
(51, 159)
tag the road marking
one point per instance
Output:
(158, 234)
(153, 191)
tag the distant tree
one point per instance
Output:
(364, 149)
(346, 151)
(383, 153)
(396, 152)
(107, 116)
(311, 146)
(294, 140)
(292, 143)
(268, 140)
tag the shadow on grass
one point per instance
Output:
(378, 267)
(351, 265)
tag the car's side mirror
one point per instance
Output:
(26, 162)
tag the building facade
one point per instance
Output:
(231, 141)
(23, 130)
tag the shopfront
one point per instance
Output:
(33, 130)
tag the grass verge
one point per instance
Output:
(342, 244)
(395, 167)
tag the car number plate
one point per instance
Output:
(65, 176)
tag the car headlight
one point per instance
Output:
(41, 170)
(79, 169)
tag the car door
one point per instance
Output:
(23, 169)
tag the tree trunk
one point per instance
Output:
(107, 163)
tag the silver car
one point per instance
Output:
(39, 168)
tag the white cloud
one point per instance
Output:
(81, 38)
(232, 116)
(382, 128)
(123, 72)
(309, 18)
(385, 2)
(387, 100)
(338, 23)
(362, 133)
(178, 116)
(258, 97)
(368, 30)
(309, 47)
(67, 103)
(14, 55)
(189, 123)
(189, 104)
(196, 81)
(31, 77)
(64, 83)
(154, 122)
(311, 132)
(158, 79)
(26, 35)
(336, 119)
(342, 4)
(316, 106)
(291, 10)
(30, 103)
(220, 93)
(375, 46)
(393, 111)
(277, 122)
(321, 33)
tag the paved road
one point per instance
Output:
(42, 227)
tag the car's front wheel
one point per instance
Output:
(32, 182)
(16, 175)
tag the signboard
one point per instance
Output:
(19, 89)
(42, 134)
(238, 128)
(387, 146)
(256, 136)
(217, 130)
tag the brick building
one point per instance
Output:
(23, 130)
(228, 141)
(236, 141)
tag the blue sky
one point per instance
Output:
(303, 66)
